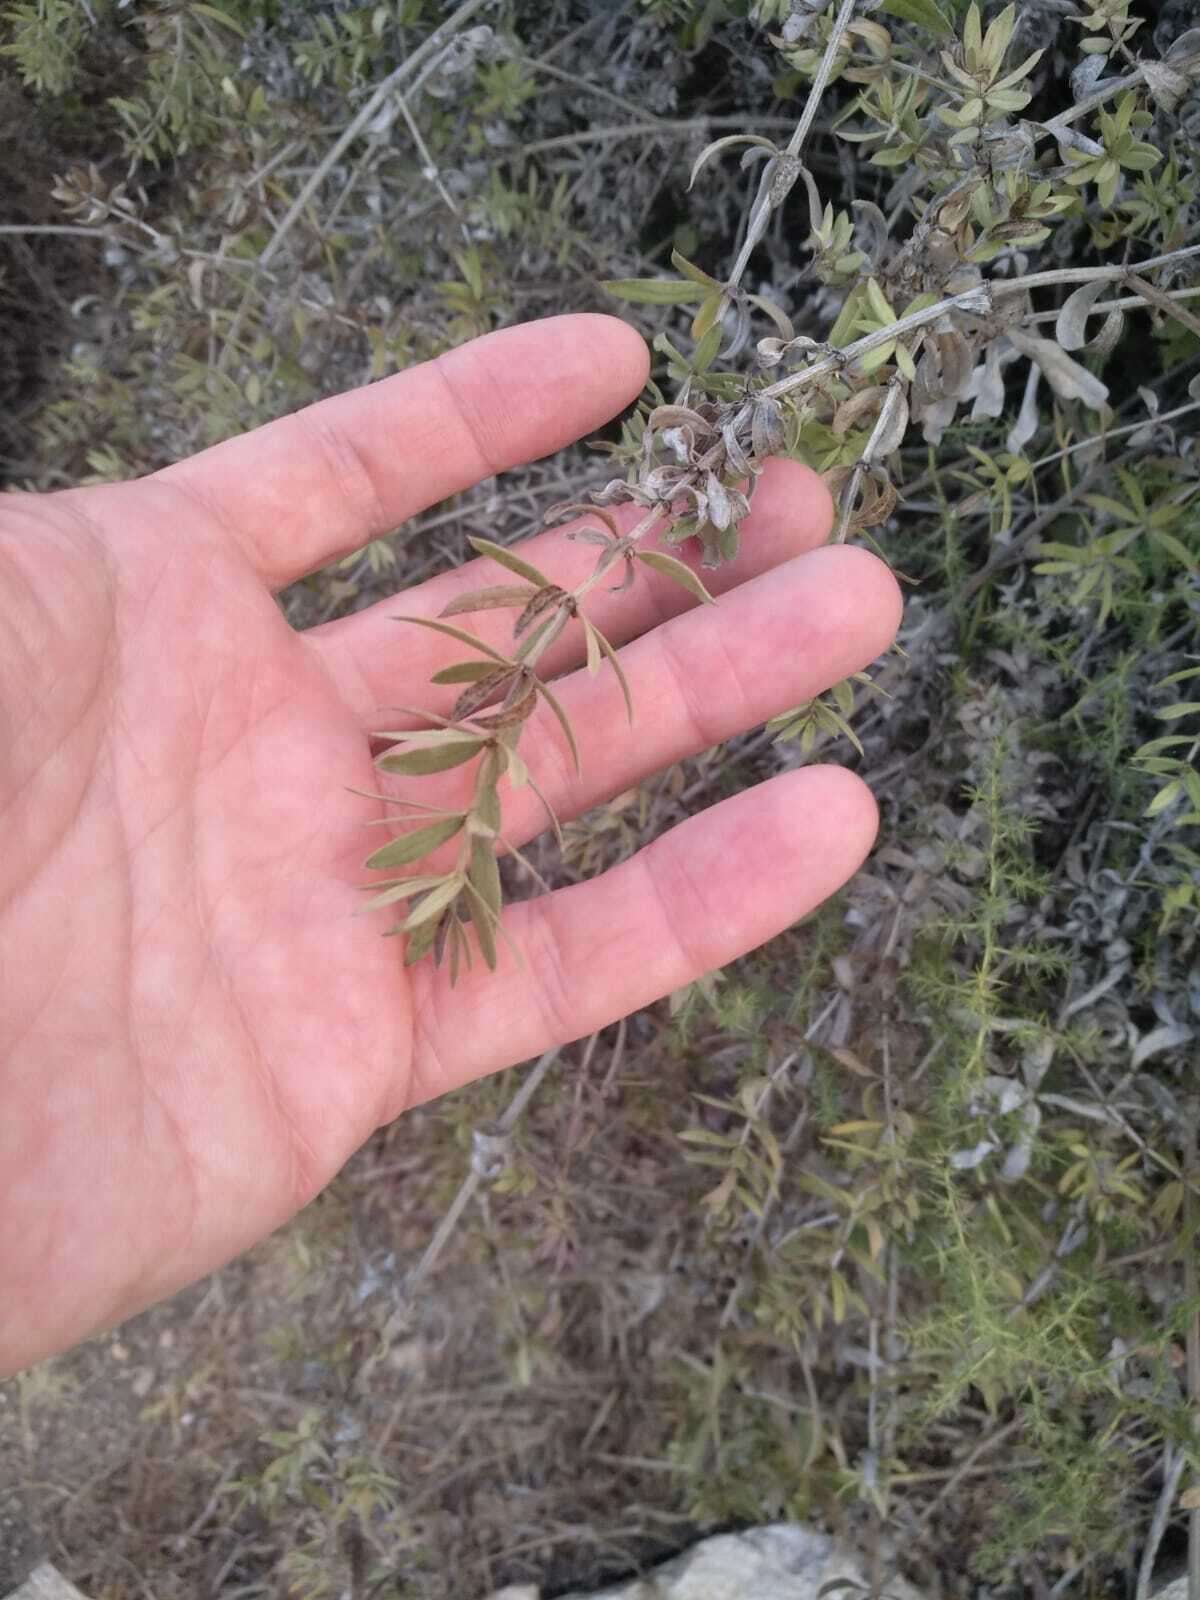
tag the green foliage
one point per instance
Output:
(44, 40)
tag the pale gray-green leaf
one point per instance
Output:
(676, 570)
(1071, 328)
(506, 558)
(420, 842)
(434, 903)
(420, 763)
(457, 633)
(727, 143)
(655, 291)
(563, 721)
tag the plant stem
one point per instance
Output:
(1132, 302)
(840, 23)
(765, 202)
(366, 112)
(353, 128)
(78, 232)
(637, 130)
(976, 299)
(1040, 280)
(1118, 86)
(1114, 433)
(488, 1142)
(1162, 302)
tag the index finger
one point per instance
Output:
(315, 485)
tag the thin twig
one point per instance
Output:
(1174, 1461)
(1117, 86)
(366, 113)
(767, 198)
(840, 23)
(346, 138)
(74, 230)
(1121, 274)
(1114, 433)
(975, 299)
(789, 1143)
(489, 1144)
(637, 130)
(429, 167)
(965, 1466)
(1133, 302)
(1162, 301)
(576, 82)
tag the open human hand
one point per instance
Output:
(196, 1029)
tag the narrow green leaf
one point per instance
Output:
(617, 668)
(491, 599)
(553, 702)
(484, 875)
(420, 943)
(594, 658)
(487, 794)
(220, 16)
(433, 758)
(654, 291)
(532, 641)
(706, 155)
(706, 350)
(1182, 708)
(843, 696)
(460, 951)
(708, 316)
(485, 928)
(426, 738)
(551, 814)
(420, 842)
(878, 303)
(1175, 547)
(672, 568)
(463, 672)
(694, 273)
(457, 633)
(847, 317)
(403, 889)
(1165, 797)
(518, 772)
(434, 903)
(718, 1141)
(505, 558)
(923, 12)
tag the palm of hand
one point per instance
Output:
(197, 1030)
(208, 1020)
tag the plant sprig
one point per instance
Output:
(499, 694)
